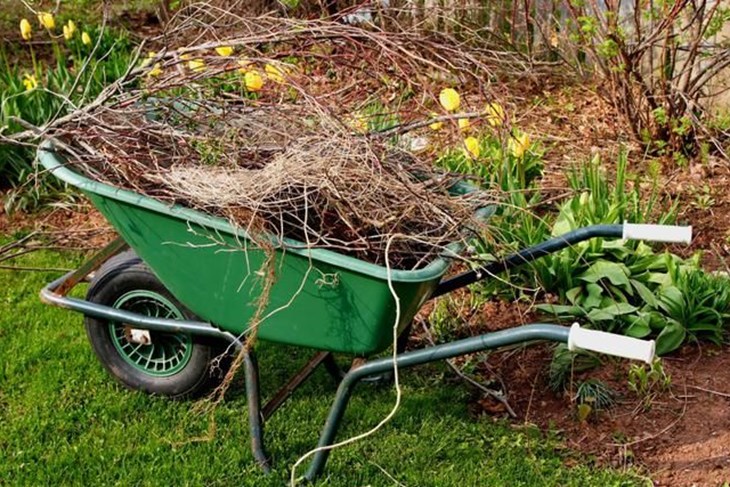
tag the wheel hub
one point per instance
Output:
(135, 335)
(154, 353)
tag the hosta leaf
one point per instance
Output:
(573, 294)
(616, 273)
(661, 278)
(620, 308)
(560, 309)
(600, 315)
(670, 338)
(564, 223)
(639, 328)
(593, 299)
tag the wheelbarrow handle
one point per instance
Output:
(632, 231)
(657, 233)
(610, 344)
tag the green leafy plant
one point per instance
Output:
(497, 166)
(619, 286)
(648, 382)
(38, 92)
(566, 363)
(593, 395)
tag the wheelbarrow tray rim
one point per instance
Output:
(49, 159)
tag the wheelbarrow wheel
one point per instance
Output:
(175, 365)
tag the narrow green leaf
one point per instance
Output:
(648, 296)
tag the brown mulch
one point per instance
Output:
(73, 227)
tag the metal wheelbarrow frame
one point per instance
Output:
(413, 291)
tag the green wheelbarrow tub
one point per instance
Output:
(319, 299)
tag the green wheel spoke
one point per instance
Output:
(168, 353)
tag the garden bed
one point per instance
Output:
(679, 438)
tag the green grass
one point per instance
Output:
(63, 420)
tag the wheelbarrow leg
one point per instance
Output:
(255, 418)
(296, 381)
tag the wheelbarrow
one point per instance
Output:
(178, 287)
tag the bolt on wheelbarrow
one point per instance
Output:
(164, 302)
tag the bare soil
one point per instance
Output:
(678, 437)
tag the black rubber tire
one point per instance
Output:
(125, 273)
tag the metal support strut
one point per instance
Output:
(255, 418)
(496, 339)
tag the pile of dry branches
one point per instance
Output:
(267, 128)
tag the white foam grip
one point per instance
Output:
(610, 344)
(657, 233)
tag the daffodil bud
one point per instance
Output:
(196, 65)
(518, 144)
(150, 56)
(253, 81)
(26, 31)
(495, 114)
(471, 147)
(274, 73)
(155, 71)
(224, 51)
(585, 198)
(30, 82)
(435, 125)
(46, 20)
(449, 99)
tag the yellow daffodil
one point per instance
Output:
(253, 81)
(495, 114)
(69, 30)
(518, 144)
(85, 38)
(435, 125)
(30, 82)
(464, 124)
(46, 19)
(359, 123)
(197, 65)
(146, 61)
(243, 64)
(554, 40)
(155, 71)
(224, 51)
(471, 147)
(449, 99)
(26, 31)
(274, 73)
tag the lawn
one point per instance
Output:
(63, 420)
